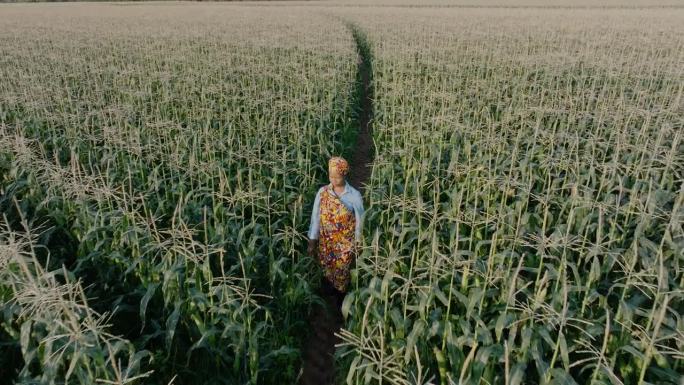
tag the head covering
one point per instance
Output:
(338, 164)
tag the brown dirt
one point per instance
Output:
(362, 160)
(324, 321)
(318, 361)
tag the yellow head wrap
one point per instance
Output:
(339, 164)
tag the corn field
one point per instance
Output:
(526, 199)
(525, 212)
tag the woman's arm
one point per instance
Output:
(358, 213)
(315, 217)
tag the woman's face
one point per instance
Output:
(336, 179)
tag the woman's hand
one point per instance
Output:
(313, 246)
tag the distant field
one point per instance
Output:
(408, 3)
(525, 217)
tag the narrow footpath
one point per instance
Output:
(318, 363)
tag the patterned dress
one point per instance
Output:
(337, 224)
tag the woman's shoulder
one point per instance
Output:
(354, 192)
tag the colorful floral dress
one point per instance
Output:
(335, 247)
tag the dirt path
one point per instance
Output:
(362, 160)
(318, 363)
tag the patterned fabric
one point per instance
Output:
(337, 224)
(351, 198)
(339, 164)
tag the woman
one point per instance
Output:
(336, 220)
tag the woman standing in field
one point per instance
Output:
(336, 220)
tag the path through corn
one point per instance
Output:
(318, 356)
